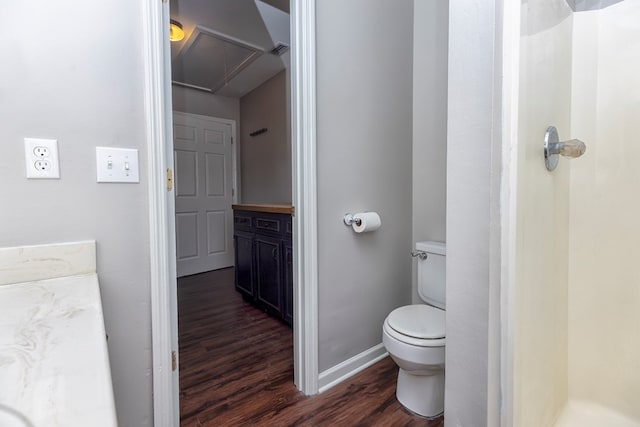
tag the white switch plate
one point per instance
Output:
(41, 157)
(117, 165)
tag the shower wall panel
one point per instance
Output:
(540, 334)
(604, 267)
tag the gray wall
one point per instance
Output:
(196, 101)
(89, 93)
(473, 221)
(430, 52)
(81, 83)
(364, 83)
(265, 160)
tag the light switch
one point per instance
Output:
(117, 164)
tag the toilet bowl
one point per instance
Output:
(420, 386)
(414, 336)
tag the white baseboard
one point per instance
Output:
(350, 367)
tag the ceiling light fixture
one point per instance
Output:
(176, 33)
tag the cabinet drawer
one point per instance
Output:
(269, 224)
(242, 221)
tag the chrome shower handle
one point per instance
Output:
(570, 148)
(553, 147)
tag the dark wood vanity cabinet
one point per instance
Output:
(264, 261)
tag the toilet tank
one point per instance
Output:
(431, 273)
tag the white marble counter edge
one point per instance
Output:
(54, 363)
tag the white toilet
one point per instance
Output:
(414, 336)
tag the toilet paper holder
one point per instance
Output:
(350, 220)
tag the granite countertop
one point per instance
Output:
(283, 209)
(54, 364)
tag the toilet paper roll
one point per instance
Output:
(369, 221)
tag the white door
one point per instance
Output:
(204, 179)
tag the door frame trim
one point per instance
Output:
(305, 221)
(510, 24)
(157, 100)
(166, 411)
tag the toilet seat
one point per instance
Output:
(419, 324)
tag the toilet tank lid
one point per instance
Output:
(432, 247)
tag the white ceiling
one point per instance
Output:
(261, 24)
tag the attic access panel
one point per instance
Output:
(209, 60)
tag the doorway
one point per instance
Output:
(161, 204)
(223, 71)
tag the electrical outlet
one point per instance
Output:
(43, 165)
(41, 151)
(41, 157)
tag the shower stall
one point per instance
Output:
(573, 346)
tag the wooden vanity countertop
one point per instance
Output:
(281, 209)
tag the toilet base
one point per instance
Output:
(421, 394)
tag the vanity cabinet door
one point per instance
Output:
(268, 255)
(243, 246)
(287, 314)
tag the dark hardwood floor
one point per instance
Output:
(236, 369)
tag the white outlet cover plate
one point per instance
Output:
(41, 156)
(117, 165)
